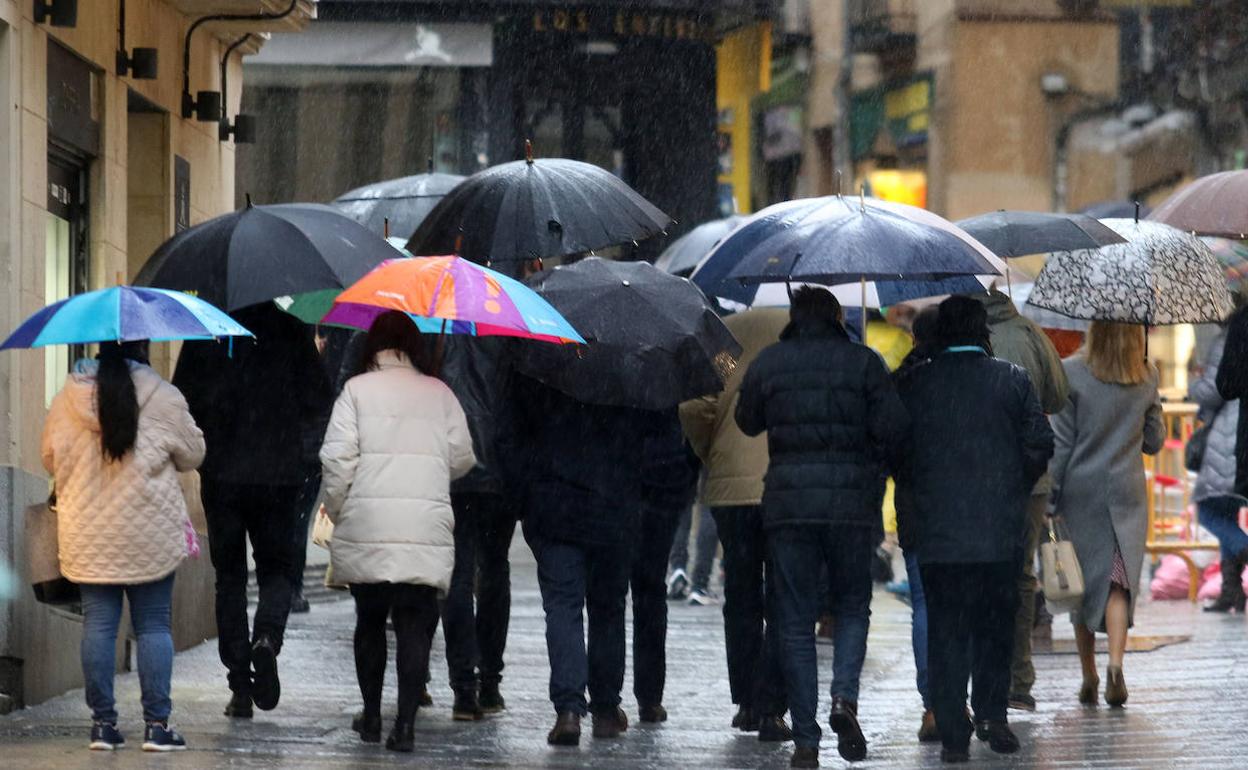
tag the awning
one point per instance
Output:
(382, 44)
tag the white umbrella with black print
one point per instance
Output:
(1160, 276)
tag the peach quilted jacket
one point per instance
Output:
(120, 522)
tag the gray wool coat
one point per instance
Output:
(1216, 477)
(1098, 478)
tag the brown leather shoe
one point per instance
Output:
(567, 730)
(1088, 692)
(804, 756)
(1115, 687)
(609, 724)
(927, 730)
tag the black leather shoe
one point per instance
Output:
(368, 727)
(426, 700)
(266, 688)
(402, 737)
(299, 605)
(804, 756)
(851, 744)
(567, 730)
(239, 706)
(745, 720)
(491, 700)
(466, 708)
(774, 730)
(955, 756)
(609, 724)
(999, 736)
(652, 714)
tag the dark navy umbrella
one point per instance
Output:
(1115, 210)
(684, 253)
(259, 253)
(403, 202)
(536, 208)
(1019, 233)
(653, 339)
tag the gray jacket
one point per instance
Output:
(1216, 477)
(1017, 339)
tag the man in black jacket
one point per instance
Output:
(477, 369)
(833, 420)
(582, 480)
(261, 404)
(978, 442)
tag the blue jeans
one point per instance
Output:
(575, 578)
(1220, 515)
(918, 626)
(150, 609)
(796, 554)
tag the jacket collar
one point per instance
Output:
(392, 359)
(972, 349)
(814, 330)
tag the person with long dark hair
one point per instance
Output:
(396, 439)
(115, 439)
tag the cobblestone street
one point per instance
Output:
(1188, 707)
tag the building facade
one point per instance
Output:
(98, 166)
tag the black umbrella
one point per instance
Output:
(654, 340)
(684, 253)
(261, 252)
(536, 208)
(1019, 233)
(404, 202)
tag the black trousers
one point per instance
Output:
(754, 674)
(648, 582)
(304, 508)
(265, 515)
(414, 611)
(476, 640)
(970, 633)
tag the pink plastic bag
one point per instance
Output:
(1171, 579)
(1212, 587)
(192, 540)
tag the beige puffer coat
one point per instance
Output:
(396, 440)
(120, 522)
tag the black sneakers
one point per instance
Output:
(466, 707)
(491, 700)
(239, 706)
(266, 687)
(158, 736)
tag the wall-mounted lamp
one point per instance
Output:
(243, 129)
(58, 13)
(205, 107)
(140, 64)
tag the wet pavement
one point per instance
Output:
(1188, 706)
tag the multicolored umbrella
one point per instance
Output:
(452, 295)
(123, 314)
(1233, 256)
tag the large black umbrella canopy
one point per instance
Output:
(684, 253)
(529, 209)
(259, 253)
(1019, 233)
(654, 340)
(403, 202)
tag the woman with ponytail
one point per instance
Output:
(115, 439)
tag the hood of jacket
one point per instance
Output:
(81, 389)
(1000, 307)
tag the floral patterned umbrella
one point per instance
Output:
(1161, 276)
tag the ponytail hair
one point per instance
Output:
(116, 400)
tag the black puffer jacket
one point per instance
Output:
(578, 467)
(833, 423)
(978, 442)
(478, 369)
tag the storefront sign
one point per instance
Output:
(622, 24)
(181, 194)
(73, 118)
(907, 108)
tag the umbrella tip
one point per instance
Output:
(429, 164)
(528, 151)
(1137, 212)
(247, 197)
(862, 199)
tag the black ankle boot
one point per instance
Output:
(1232, 598)
(368, 726)
(403, 736)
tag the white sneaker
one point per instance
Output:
(703, 599)
(677, 584)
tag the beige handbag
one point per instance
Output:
(1063, 577)
(322, 529)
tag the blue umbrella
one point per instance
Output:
(121, 314)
